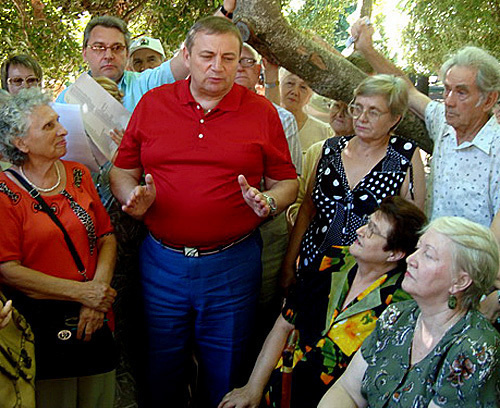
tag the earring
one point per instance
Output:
(452, 302)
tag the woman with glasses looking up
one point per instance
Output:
(354, 174)
(335, 308)
(19, 72)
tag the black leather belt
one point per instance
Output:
(196, 252)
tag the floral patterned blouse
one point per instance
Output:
(461, 371)
(330, 334)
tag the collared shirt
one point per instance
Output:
(292, 136)
(195, 159)
(136, 84)
(464, 179)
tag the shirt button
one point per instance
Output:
(200, 135)
(202, 120)
(197, 106)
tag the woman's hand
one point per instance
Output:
(5, 313)
(243, 397)
(98, 295)
(90, 321)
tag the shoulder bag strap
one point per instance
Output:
(46, 209)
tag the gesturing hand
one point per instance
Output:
(141, 198)
(254, 198)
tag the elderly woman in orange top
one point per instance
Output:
(63, 293)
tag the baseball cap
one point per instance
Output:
(147, 42)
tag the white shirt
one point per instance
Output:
(465, 178)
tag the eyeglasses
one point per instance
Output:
(356, 111)
(247, 62)
(19, 81)
(338, 108)
(371, 228)
(101, 49)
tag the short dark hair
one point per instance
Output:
(212, 25)
(20, 59)
(108, 22)
(407, 220)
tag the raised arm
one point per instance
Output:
(346, 392)
(363, 33)
(250, 395)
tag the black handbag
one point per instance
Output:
(59, 353)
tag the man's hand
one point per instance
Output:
(5, 313)
(241, 398)
(362, 31)
(229, 5)
(116, 135)
(140, 199)
(254, 198)
(98, 295)
(490, 307)
(90, 321)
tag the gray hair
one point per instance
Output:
(108, 22)
(252, 50)
(15, 115)
(475, 251)
(212, 25)
(393, 88)
(488, 67)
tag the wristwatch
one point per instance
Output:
(271, 202)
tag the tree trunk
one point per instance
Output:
(329, 74)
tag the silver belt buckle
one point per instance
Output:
(191, 252)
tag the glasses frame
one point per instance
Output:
(370, 230)
(250, 62)
(35, 81)
(101, 49)
(371, 114)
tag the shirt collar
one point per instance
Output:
(484, 138)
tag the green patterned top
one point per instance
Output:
(461, 371)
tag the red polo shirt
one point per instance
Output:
(195, 159)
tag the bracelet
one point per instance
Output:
(228, 14)
(269, 85)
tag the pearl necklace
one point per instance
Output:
(44, 190)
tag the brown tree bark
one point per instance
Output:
(264, 27)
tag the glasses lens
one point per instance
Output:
(16, 81)
(247, 62)
(117, 48)
(32, 81)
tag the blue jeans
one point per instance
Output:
(206, 305)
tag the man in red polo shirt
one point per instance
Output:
(202, 143)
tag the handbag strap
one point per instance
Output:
(46, 209)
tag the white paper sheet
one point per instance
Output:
(100, 111)
(78, 145)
